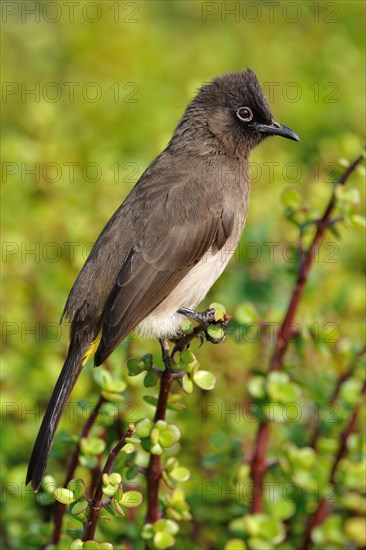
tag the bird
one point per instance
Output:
(170, 239)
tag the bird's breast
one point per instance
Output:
(164, 321)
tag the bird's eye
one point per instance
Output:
(244, 114)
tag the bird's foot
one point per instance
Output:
(209, 324)
(203, 318)
(182, 341)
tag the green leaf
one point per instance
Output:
(89, 461)
(131, 499)
(110, 490)
(188, 357)
(171, 527)
(154, 436)
(169, 435)
(128, 448)
(358, 221)
(144, 427)
(204, 379)
(161, 424)
(102, 377)
(355, 502)
(135, 366)
(78, 507)
(49, 484)
(64, 495)
(147, 359)
(348, 195)
(92, 445)
(280, 389)
(115, 478)
(291, 198)
(175, 398)
(355, 529)
(180, 474)
(117, 509)
(252, 523)
(163, 540)
(177, 364)
(171, 463)
(175, 431)
(187, 384)
(112, 397)
(343, 162)
(77, 486)
(256, 543)
(117, 386)
(150, 379)
(256, 386)
(156, 449)
(284, 509)
(105, 478)
(174, 405)
(132, 472)
(76, 544)
(219, 311)
(235, 544)
(147, 531)
(265, 527)
(91, 545)
(215, 331)
(306, 458)
(168, 482)
(186, 326)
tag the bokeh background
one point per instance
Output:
(90, 95)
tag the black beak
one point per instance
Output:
(277, 129)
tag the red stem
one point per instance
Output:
(60, 508)
(153, 473)
(258, 461)
(97, 505)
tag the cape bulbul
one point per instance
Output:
(170, 239)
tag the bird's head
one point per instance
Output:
(234, 110)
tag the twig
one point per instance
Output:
(322, 509)
(59, 507)
(258, 460)
(98, 501)
(153, 473)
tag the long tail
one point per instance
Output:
(73, 365)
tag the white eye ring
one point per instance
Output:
(244, 114)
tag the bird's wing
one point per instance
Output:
(178, 224)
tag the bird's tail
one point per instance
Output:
(75, 360)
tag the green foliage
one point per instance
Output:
(51, 220)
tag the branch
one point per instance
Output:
(304, 269)
(74, 460)
(258, 460)
(153, 473)
(98, 503)
(322, 509)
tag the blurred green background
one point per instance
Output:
(90, 95)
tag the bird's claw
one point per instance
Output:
(205, 319)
